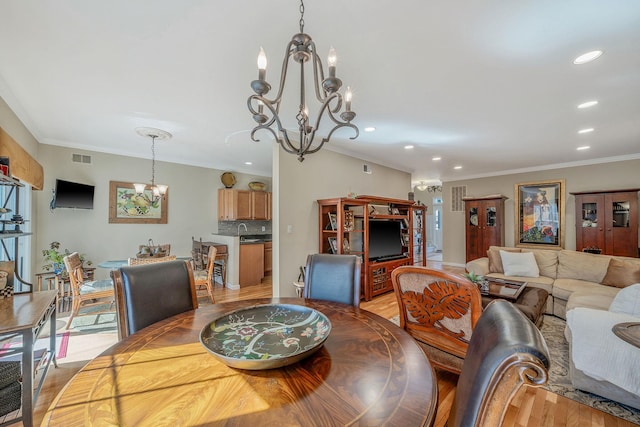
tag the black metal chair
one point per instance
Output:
(506, 351)
(333, 278)
(146, 294)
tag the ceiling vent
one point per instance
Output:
(457, 193)
(81, 158)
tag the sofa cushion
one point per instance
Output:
(519, 264)
(627, 301)
(547, 261)
(622, 273)
(582, 266)
(495, 261)
(563, 288)
(588, 300)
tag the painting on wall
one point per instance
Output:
(539, 208)
(128, 207)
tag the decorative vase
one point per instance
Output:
(257, 186)
(228, 179)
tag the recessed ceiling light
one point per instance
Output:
(369, 129)
(248, 163)
(588, 104)
(587, 57)
(435, 159)
(587, 130)
(408, 147)
(457, 167)
(584, 147)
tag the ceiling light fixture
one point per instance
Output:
(457, 167)
(435, 159)
(588, 57)
(369, 129)
(248, 163)
(584, 147)
(586, 130)
(587, 104)
(408, 147)
(302, 49)
(430, 188)
(157, 191)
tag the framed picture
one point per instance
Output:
(539, 209)
(127, 207)
(333, 220)
(346, 248)
(333, 245)
(395, 211)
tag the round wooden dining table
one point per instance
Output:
(368, 372)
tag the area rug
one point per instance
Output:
(41, 344)
(559, 381)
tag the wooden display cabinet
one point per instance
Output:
(607, 222)
(344, 229)
(484, 224)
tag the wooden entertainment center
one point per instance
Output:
(344, 228)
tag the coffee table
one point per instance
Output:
(629, 332)
(529, 300)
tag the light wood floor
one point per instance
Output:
(531, 407)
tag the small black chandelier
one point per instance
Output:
(302, 49)
(158, 191)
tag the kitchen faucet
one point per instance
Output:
(245, 227)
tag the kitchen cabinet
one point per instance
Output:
(607, 222)
(251, 264)
(243, 205)
(484, 224)
(268, 251)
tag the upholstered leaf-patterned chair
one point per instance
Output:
(440, 310)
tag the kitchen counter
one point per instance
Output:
(233, 247)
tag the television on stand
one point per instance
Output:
(385, 240)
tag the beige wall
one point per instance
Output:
(605, 176)
(193, 201)
(297, 186)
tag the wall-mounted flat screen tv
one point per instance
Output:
(72, 195)
(385, 239)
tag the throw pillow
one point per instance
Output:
(519, 264)
(627, 301)
(622, 273)
(495, 262)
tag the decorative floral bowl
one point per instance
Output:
(266, 336)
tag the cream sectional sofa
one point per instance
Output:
(572, 278)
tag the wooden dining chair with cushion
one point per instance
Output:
(506, 351)
(86, 293)
(150, 260)
(333, 278)
(205, 277)
(440, 310)
(146, 294)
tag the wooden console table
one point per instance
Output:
(26, 314)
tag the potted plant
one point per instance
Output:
(479, 280)
(55, 259)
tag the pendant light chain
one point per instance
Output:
(153, 161)
(301, 16)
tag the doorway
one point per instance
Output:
(434, 230)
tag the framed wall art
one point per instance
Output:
(539, 209)
(127, 207)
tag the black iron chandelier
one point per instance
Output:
(265, 111)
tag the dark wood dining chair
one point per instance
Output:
(440, 310)
(506, 351)
(146, 294)
(333, 278)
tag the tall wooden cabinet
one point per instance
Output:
(484, 224)
(344, 228)
(607, 221)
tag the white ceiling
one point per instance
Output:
(486, 85)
